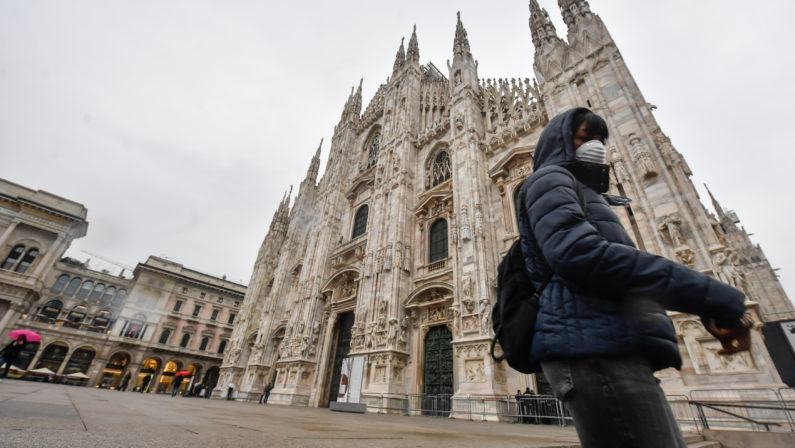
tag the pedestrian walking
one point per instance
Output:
(145, 383)
(266, 392)
(11, 352)
(207, 391)
(124, 382)
(177, 383)
(229, 390)
(602, 329)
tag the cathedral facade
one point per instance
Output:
(390, 259)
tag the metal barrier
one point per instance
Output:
(538, 409)
(750, 409)
(760, 409)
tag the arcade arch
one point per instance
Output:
(114, 369)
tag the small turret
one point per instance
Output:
(461, 43)
(541, 28)
(400, 59)
(314, 165)
(574, 10)
(413, 52)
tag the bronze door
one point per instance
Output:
(438, 386)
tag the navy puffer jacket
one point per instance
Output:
(605, 296)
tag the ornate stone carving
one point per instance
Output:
(685, 255)
(642, 157)
(471, 351)
(725, 266)
(466, 230)
(671, 230)
(475, 371)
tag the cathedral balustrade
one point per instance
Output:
(432, 270)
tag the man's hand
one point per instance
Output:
(733, 340)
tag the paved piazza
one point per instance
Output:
(48, 415)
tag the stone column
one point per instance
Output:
(6, 234)
(10, 316)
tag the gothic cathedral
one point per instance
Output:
(391, 258)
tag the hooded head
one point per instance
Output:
(556, 146)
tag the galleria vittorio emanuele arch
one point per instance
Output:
(384, 268)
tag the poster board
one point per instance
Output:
(350, 389)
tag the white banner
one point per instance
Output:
(350, 389)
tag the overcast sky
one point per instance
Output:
(180, 124)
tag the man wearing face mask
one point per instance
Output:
(602, 329)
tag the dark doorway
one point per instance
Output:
(438, 385)
(341, 350)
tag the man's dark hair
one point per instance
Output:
(594, 124)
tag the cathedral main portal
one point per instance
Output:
(438, 386)
(341, 350)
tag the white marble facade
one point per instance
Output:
(455, 147)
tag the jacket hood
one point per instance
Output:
(555, 145)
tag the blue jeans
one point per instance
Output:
(615, 402)
(5, 369)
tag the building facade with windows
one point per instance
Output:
(96, 326)
(101, 327)
(391, 257)
(36, 228)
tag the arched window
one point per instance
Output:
(52, 356)
(102, 319)
(438, 241)
(360, 222)
(108, 296)
(221, 347)
(164, 336)
(97, 292)
(52, 309)
(77, 314)
(120, 296)
(73, 285)
(440, 170)
(60, 283)
(13, 257)
(205, 341)
(79, 361)
(185, 339)
(134, 326)
(27, 260)
(372, 149)
(85, 289)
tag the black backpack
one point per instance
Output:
(514, 315)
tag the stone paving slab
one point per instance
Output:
(49, 415)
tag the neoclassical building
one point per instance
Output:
(157, 320)
(389, 259)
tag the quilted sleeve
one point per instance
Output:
(576, 251)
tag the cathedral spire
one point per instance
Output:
(715, 204)
(413, 52)
(574, 10)
(461, 43)
(356, 106)
(541, 27)
(314, 165)
(400, 58)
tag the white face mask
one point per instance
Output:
(592, 151)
